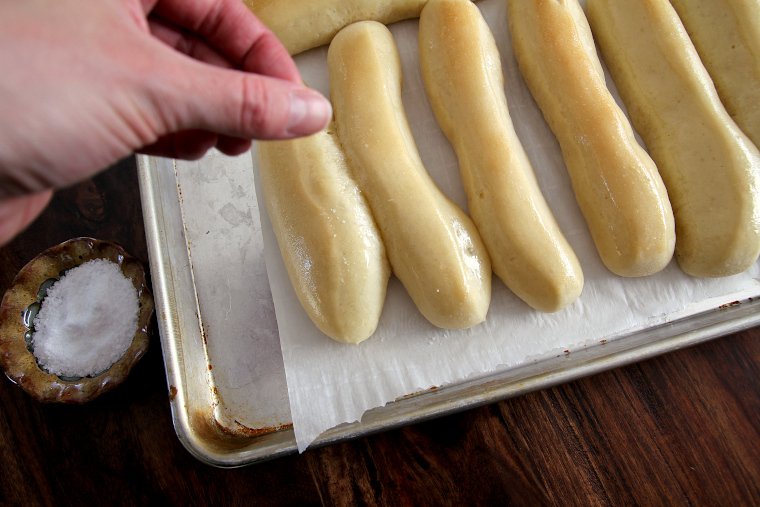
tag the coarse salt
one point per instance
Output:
(87, 320)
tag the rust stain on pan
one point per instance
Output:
(418, 393)
(204, 330)
(240, 430)
(208, 429)
(256, 432)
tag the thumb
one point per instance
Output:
(245, 105)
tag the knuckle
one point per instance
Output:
(256, 108)
(252, 108)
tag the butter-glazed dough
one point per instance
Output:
(710, 167)
(327, 237)
(726, 34)
(462, 73)
(616, 184)
(306, 24)
(432, 245)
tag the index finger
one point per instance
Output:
(233, 30)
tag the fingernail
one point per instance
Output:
(309, 112)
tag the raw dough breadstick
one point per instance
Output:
(709, 166)
(726, 34)
(616, 184)
(306, 24)
(328, 239)
(463, 78)
(433, 247)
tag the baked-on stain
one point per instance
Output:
(255, 432)
(204, 331)
(220, 438)
(417, 393)
(172, 393)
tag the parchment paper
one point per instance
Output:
(330, 383)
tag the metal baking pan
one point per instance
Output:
(214, 429)
(216, 315)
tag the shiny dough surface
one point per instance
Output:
(329, 242)
(726, 34)
(306, 24)
(433, 246)
(462, 74)
(710, 167)
(616, 184)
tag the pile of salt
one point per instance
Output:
(87, 320)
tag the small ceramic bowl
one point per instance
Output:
(22, 301)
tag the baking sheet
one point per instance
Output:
(208, 428)
(231, 402)
(221, 220)
(330, 383)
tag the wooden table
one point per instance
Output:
(679, 429)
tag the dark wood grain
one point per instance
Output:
(680, 429)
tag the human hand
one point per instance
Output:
(85, 83)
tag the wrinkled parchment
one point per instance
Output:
(331, 383)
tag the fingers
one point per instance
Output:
(186, 43)
(193, 144)
(264, 99)
(233, 146)
(233, 30)
(17, 213)
(185, 145)
(238, 104)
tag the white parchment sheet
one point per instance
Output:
(331, 383)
